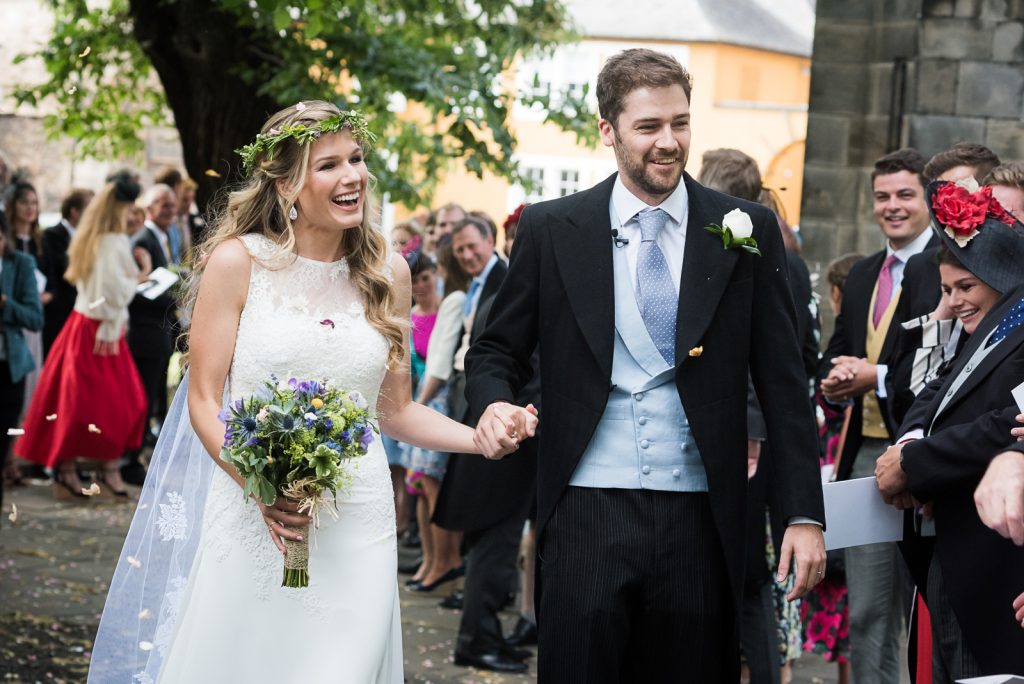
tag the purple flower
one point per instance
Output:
(359, 400)
(222, 415)
(367, 438)
(328, 424)
(251, 442)
(346, 436)
(293, 383)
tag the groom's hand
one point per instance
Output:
(502, 427)
(803, 546)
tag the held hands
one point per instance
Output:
(1000, 497)
(892, 481)
(279, 517)
(144, 261)
(502, 427)
(850, 377)
(105, 347)
(803, 546)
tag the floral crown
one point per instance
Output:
(265, 143)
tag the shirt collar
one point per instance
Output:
(482, 278)
(627, 204)
(915, 247)
(68, 227)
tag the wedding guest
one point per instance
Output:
(825, 611)
(190, 218)
(426, 468)
(152, 321)
(407, 237)
(54, 263)
(445, 219)
(954, 426)
(1007, 183)
(855, 367)
(25, 236)
(90, 402)
(487, 501)
(20, 310)
(177, 242)
(962, 160)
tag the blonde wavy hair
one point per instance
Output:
(260, 207)
(104, 215)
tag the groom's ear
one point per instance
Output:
(607, 130)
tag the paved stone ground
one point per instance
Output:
(56, 560)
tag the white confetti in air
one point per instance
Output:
(146, 645)
(91, 490)
(94, 429)
(85, 52)
(144, 614)
(52, 417)
(14, 513)
(72, 90)
(15, 432)
(143, 507)
(134, 562)
(99, 302)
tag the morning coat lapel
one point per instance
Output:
(706, 269)
(582, 245)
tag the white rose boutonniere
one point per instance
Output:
(736, 231)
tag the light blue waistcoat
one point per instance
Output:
(643, 440)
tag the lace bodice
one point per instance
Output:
(304, 319)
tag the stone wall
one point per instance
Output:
(961, 64)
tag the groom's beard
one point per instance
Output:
(639, 172)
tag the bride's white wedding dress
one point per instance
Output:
(230, 620)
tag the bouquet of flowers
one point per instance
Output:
(293, 440)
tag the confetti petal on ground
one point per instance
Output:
(52, 417)
(15, 432)
(85, 52)
(94, 429)
(91, 490)
(14, 513)
(144, 614)
(133, 561)
(211, 173)
(300, 107)
(146, 645)
(99, 302)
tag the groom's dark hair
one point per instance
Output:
(633, 69)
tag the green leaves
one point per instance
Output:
(729, 241)
(431, 76)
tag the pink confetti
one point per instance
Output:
(327, 322)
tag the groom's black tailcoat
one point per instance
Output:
(734, 305)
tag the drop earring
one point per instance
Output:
(293, 214)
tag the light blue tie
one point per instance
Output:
(655, 292)
(467, 306)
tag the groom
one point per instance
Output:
(647, 327)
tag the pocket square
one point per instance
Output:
(696, 351)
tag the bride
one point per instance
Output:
(298, 283)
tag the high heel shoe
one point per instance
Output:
(63, 491)
(107, 489)
(450, 576)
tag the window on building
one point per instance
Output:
(568, 183)
(534, 186)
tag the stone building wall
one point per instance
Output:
(893, 73)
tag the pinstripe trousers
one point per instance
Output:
(634, 588)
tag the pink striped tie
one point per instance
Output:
(884, 289)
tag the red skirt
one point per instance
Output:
(85, 406)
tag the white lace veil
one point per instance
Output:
(152, 573)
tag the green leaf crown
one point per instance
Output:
(303, 134)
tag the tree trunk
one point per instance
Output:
(198, 61)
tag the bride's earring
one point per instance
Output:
(293, 214)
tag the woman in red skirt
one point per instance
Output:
(90, 402)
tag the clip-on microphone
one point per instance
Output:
(619, 241)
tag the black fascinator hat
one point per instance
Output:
(979, 232)
(126, 188)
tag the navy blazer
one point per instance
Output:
(22, 311)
